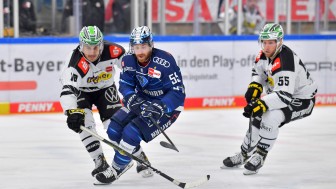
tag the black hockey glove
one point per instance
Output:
(255, 108)
(253, 92)
(75, 119)
(155, 109)
(133, 102)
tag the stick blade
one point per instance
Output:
(167, 145)
(197, 182)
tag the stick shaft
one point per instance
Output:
(162, 131)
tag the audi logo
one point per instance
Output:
(161, 61)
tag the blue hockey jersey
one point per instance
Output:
(161, 79)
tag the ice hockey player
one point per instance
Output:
(151, 84)
(290, 95)
(88, 79)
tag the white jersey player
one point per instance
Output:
(290, 95)
(88, 79)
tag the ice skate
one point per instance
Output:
(235, 161)
(254, 164)
(100, 165)
(110, 174)
(143, 170)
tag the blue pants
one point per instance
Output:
(128, 130)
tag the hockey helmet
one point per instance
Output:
(91, 35)
(141, 35)
(272, 31)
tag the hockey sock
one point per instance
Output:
(131, 139)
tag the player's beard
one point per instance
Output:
(143, 57)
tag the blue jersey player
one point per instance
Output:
(152, 86)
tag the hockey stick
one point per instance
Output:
(174, 181)
(169, 145)
(250, 132)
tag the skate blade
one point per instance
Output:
(146, 173)
(97, 182)
(234, 167)
(248, 172)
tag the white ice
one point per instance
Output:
(38, 151)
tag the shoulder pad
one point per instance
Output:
(83, 66)
(276, 64)
(115, 50)
(78, 62)
(112, 51)
(128, 60)
(261, 56)
(286, 59)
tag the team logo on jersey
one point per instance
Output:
(109, 68)
(142, 80)
(276, 64)
(101, 77)
(83, 65)
(161, 61)
(152, 72)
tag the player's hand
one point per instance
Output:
(155, 109)
(253, 92)
(75, 119)
(133, 102)
(255, 108)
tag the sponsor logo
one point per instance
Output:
(164, 127)
(153, 93)
(268, 129)
(215, 102)
(109, 69)
(115, 51)
(101, 77)
(125, 69)
(263, 146)
(111, 95)
(91, 146)
(161, 61)
(35, 107)
(276, 64)
(326, 99)
(154, 73)
(83, 65)
(270, 81)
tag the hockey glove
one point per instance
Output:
(155, 109)
(253, 92)
(255, 108)
(75, 119)
(133, 102)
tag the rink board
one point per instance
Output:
(216, 69)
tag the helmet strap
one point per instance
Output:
(278, 49)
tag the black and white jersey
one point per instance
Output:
(81, 75)
(284, 78)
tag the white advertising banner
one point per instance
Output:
(210, 68)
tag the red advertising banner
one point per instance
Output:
(190, 103)
(301, 10)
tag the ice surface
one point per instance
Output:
(38, 151)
